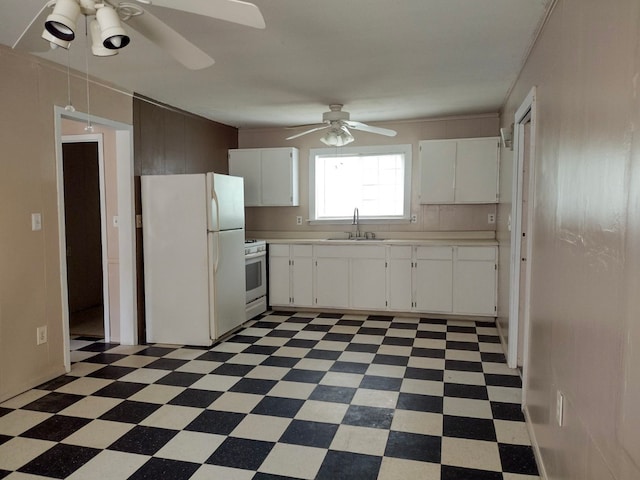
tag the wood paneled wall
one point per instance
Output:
(170, 141)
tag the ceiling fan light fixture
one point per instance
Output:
(61, 23)
(337, 137)
(97, 48)
(112, 34)
(55, 42)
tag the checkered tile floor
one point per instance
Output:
(292, 396)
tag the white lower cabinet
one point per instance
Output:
(459, 280)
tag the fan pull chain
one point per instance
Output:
(89, 127)
(69, 107)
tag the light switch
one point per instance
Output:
(36, 222)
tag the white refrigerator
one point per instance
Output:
(193, 250)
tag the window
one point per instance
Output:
(376, 180)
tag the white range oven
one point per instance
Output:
(255, 255)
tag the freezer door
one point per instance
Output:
(227, 281)
(174, 212)
(227, 202)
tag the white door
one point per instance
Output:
(302, 275)
(368, 286)
(399, 278)
(437, 171)
(477, 170)
(434, 279)
(475, 281)
(276, 176)
(227, 202)
(332, 282)
(246, 164)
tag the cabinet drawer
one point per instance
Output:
(279, 250)
(302, 250)
(435, 253)
(476, 253)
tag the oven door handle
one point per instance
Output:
(255, 255)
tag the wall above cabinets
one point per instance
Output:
(270, 175)
(459, 171)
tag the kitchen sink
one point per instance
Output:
(358, 239)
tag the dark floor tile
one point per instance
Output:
(349, 367)
(53, 402)
(4, 473)
(488, 339)
(163, 468)
(517, 459)
(507, 411)
(328, 393)
(241, 453)
(213, 421)
(469, 346)
(265, 324)
(143, 440)
(239, 338)
(460, 329)
(301, 343)
(350, 323)
(111, 372)
(56, 383)
(233, 369)
(260, 349)
(477, 392)
(282, 333)
(56, 428)
(503, 380)
(98, 347)
(349, 466)
(459, 473)
(413, 446)
(304, 376)
(391, 360)
(4, 411)
(120, 389)
(372, 331)
(424, 374)
(432, 335)
(428, 352)
(493, 357)
(193, 397)
(216, 356)
(463, 366)
(130, 412)
(269, 476)
(314, 327)
(404, 325)
(180, 379)
(167, 364)
(433, 321)
(362, 347)
(287, 362)
(373, 417)
(467, 427)
(381, 318)
(485, 324)
(323, 354)
(60, 461)
(310, 434)
(253, 385)
(5, 438)
(105, 358)
(374, 382)
(155, 351)
(400, 341)
(338, 337)
(420, 403)
(278, 407)
(297, 319)
(330, 315)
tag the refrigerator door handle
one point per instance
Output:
(215, 212)
(215, 247)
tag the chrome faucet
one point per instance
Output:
(356, 221)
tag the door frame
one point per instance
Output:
(527, 109)
(93, 138)
(126, 226)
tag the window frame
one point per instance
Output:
(404, 149)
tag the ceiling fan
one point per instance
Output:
(60, 19)
(338, 123)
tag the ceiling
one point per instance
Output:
(385, 60)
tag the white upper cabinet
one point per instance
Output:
(270, 175)
(459, 171)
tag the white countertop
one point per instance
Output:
(386, 241)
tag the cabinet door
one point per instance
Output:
(332, 282)
(279, 280)
(399, 278)
(368, 282)
(475, 281)
(279, 177)
(434, 279)
(437, 171)
(477, 171)
(302, 275)
(247, 164)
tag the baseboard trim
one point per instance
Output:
(534, 444)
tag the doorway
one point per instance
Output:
(84, 214)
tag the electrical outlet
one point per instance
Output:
(491, 218)
(560, 408)
(414, 218)
(41, 335)
(36, 222)
(298, 220)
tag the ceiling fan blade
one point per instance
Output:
(235, 11)
(303, 126)
(170, 41)
(308, 131)
(368, 128)
(31, 39)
